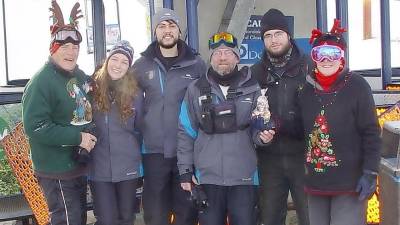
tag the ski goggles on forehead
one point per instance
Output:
(63, 35)
(222, 38)
(329, 52)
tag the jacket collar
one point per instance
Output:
(60, 70)
(245, 84)
(186, 55)
(295, 58)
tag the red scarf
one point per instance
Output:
(326, 81)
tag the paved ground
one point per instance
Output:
(290, 220)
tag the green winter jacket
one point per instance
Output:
(56, 108)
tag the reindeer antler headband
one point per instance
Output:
(59, 19)
(336, 32)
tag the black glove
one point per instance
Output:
(199, 198)
(186, 177)
(366, 185)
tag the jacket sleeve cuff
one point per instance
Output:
(370, 172)
(186, 177)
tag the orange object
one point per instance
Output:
(393, 87)
(17, 149)
(373, 210)
(388, 114)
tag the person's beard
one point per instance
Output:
(168, 46)
(280, 53)
(222, 70)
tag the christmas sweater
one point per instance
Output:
(342, 134)
(55, 108)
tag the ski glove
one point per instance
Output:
(366, 185)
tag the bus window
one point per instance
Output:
(124, 19)
(2, 55)
(112, 25)
(135, 24)
(395, 32)
(365, 40)
(28, 36)
(331, 12)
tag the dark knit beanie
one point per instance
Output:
(122, 47)
(274, 20)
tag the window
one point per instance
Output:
(28, 32)
(2, 53)
(395, 32)
(331, 11)
(364, 35)
(371, 19)
(135, 24)
(112, 29)
(28, 36)
(365, 40)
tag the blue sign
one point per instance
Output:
(251, 51)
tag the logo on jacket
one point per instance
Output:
(150, 75)
(247, 100)
(131, 173)
(247, 179)
(188, 76)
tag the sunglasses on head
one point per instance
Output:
(64, 35)
(329, 52)
(222, 38)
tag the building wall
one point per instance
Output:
(210, 13)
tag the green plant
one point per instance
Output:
(8, 183)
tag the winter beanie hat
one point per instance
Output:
(274, 19)
(62, 33)
(123, 47)
(164, 14)
(223, 46)
(223, 40)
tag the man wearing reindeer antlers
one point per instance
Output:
(56, 109)
(281, 71)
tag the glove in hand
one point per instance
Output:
(366, 185)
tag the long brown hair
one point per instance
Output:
(125, 91)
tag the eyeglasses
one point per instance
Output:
(222, 38)
(63, 35)
(329, 52)
(225, 52)
(277, 35)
